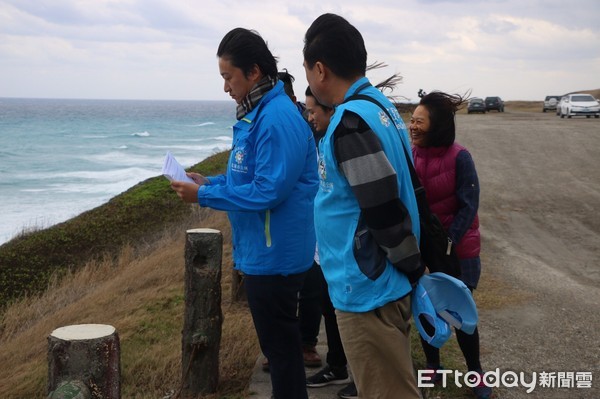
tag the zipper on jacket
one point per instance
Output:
(268, 227)
(449, 249)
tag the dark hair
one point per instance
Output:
(287, 79)
(336, 43)
(309, 93)
(389, 83)
(245, 48)
(442, 109)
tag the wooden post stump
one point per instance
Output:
(88, 354)
(202, 315)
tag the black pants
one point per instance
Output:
(336, 357)
(309, 306)
(273, 302)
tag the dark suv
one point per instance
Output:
(495, 103)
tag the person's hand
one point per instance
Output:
(198, 178)
(188, 192)
(415, 275)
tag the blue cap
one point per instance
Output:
(433, 329)
(440, 301)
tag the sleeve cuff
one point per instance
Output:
(201, 198)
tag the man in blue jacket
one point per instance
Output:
(366, 215)
(268, 193)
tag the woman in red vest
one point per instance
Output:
(448, 175)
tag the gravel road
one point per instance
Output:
(540, 223)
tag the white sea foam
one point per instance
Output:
(116, 159)
(89, 136)
(110, 175)
(141, 134)
(215, 138)
(32, 190)
(197, 149)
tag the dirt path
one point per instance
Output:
(540, 218)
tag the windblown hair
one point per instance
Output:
(336, 43)
(389, 83)
(442, 109)
(245, 48)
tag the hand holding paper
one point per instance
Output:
(173, 170)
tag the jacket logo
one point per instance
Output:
(385, 121)
(322, 172)
(239, 156)
(323, 183)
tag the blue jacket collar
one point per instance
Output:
(354, 89)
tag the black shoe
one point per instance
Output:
(348, 392)
(482, 391)
(327, 376)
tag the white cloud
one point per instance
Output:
(166, 49)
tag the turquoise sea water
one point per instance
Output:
(59, 158)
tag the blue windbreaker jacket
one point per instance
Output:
(269, 189)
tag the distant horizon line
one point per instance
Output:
(109, 99)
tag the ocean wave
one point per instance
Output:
(45, 179)
(195, 148)
(30, 217)
(217, 138)
(91, 137)
(141, 134)
(106, 190)
(113, 175)
(32, 190)
(203, 124)
(117, 158)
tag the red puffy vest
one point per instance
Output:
(436, 168)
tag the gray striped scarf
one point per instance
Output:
(252, 99)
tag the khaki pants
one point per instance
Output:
(377, 347)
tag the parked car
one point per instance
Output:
(550, 102)
(476, 105)
(579, 104)
(494, 103)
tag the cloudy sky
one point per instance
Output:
(165, 49)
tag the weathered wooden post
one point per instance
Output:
(84, 362)
(202, 315)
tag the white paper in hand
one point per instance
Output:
(173, 170)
